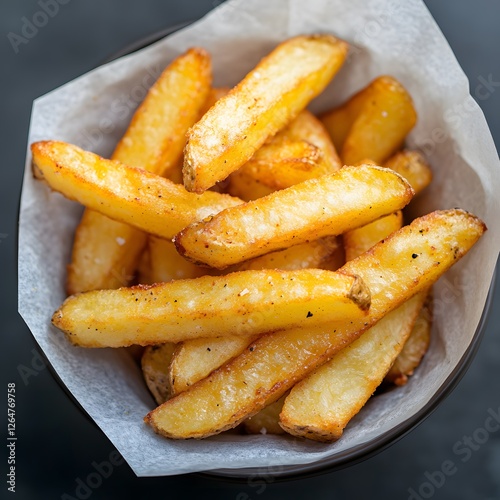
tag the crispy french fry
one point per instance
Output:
(372, 124)
(245, 186)
(155, 364)
(414, 349)
(361, 239)
(131, 195)
(320, 406)
(144, 275)
(281, 164)
(307, 127)
(407, 262)
(267, 420)
(106, 252)
(329, 205)
(166, 263)
(240, 303)
(271, 95)
(413, 167)
(194, 359)
(306, 255)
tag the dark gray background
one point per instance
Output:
(57, 444)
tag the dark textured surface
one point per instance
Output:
(58, 446)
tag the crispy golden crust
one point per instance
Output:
(271, 95)
(327, 206)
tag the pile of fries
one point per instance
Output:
(276, 285)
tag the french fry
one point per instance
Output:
(306, 255)
(269, 97)
(406, 263)
(414, 349)
(267, 420)
(320, 406)
(275, 166)
(306, 127)
(373, 123)
(106, 252)
(195, 359)
(166, 264)
(240, 303)
(131, 195)
(155, 363)
(175, 173)
(361, 239)
(413, 167)
(329, 205)
(278, 165)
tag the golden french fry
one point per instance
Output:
(131, 195)
(414, 349)
(372, 124)
(329, 205)
(267, 420)
(320, 406)
(106, 252)
(166, 263)
(306, 255)
(144, 275)
(361, 239)
(306, 127)
(197, 358)
(276, 165)
(413, 167)
(155, 364)
(406, 263)
(240, 303)
(269, 97)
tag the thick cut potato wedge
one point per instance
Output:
(406, 263)
(373, 123)
(267, 420)
(106, 252)
(269, 97)
(414, 349)
(306, 255)
(155, 363)
(306, 127)
(327, 206)
(131, 195)
(320, 406)
(241, 303)
(197, 358)
(361, 239)
(166, 264)
(413, 167)
(278, 165)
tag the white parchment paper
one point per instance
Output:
(387, 37)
